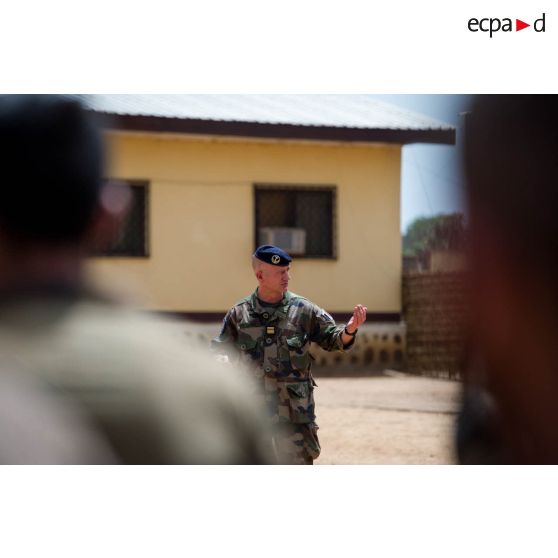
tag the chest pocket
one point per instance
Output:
(247, 347)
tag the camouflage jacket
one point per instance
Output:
(274, 343)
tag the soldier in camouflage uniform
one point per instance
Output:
(270, 332)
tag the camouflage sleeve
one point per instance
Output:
(326, 333)
(224, 343)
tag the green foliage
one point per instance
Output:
(441, 232)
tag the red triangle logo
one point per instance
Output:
(519, 25)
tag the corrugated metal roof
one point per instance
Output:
(341, 111)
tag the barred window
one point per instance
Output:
(299, 219)
(131, 240)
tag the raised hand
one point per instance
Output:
(357, 319)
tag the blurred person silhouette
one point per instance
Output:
(147, 397)
(510, 411)
(39, 425)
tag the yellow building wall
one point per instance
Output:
(201, 220)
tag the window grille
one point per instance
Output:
(299, 219)
(132, 238)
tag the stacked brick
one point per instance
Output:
(434, 309)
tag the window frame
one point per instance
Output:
(331, 188)
(146, 253)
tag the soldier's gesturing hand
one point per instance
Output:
(357, 319)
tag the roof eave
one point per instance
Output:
(155, 124)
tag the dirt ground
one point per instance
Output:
(387, 419)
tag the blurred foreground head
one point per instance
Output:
(54, 206)
(511, 158)
(51, 158)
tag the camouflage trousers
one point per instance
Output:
(289, 406)
(296, 444)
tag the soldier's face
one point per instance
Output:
(274, 278)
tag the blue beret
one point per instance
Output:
(273, 255)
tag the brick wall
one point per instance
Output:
(434, 311)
